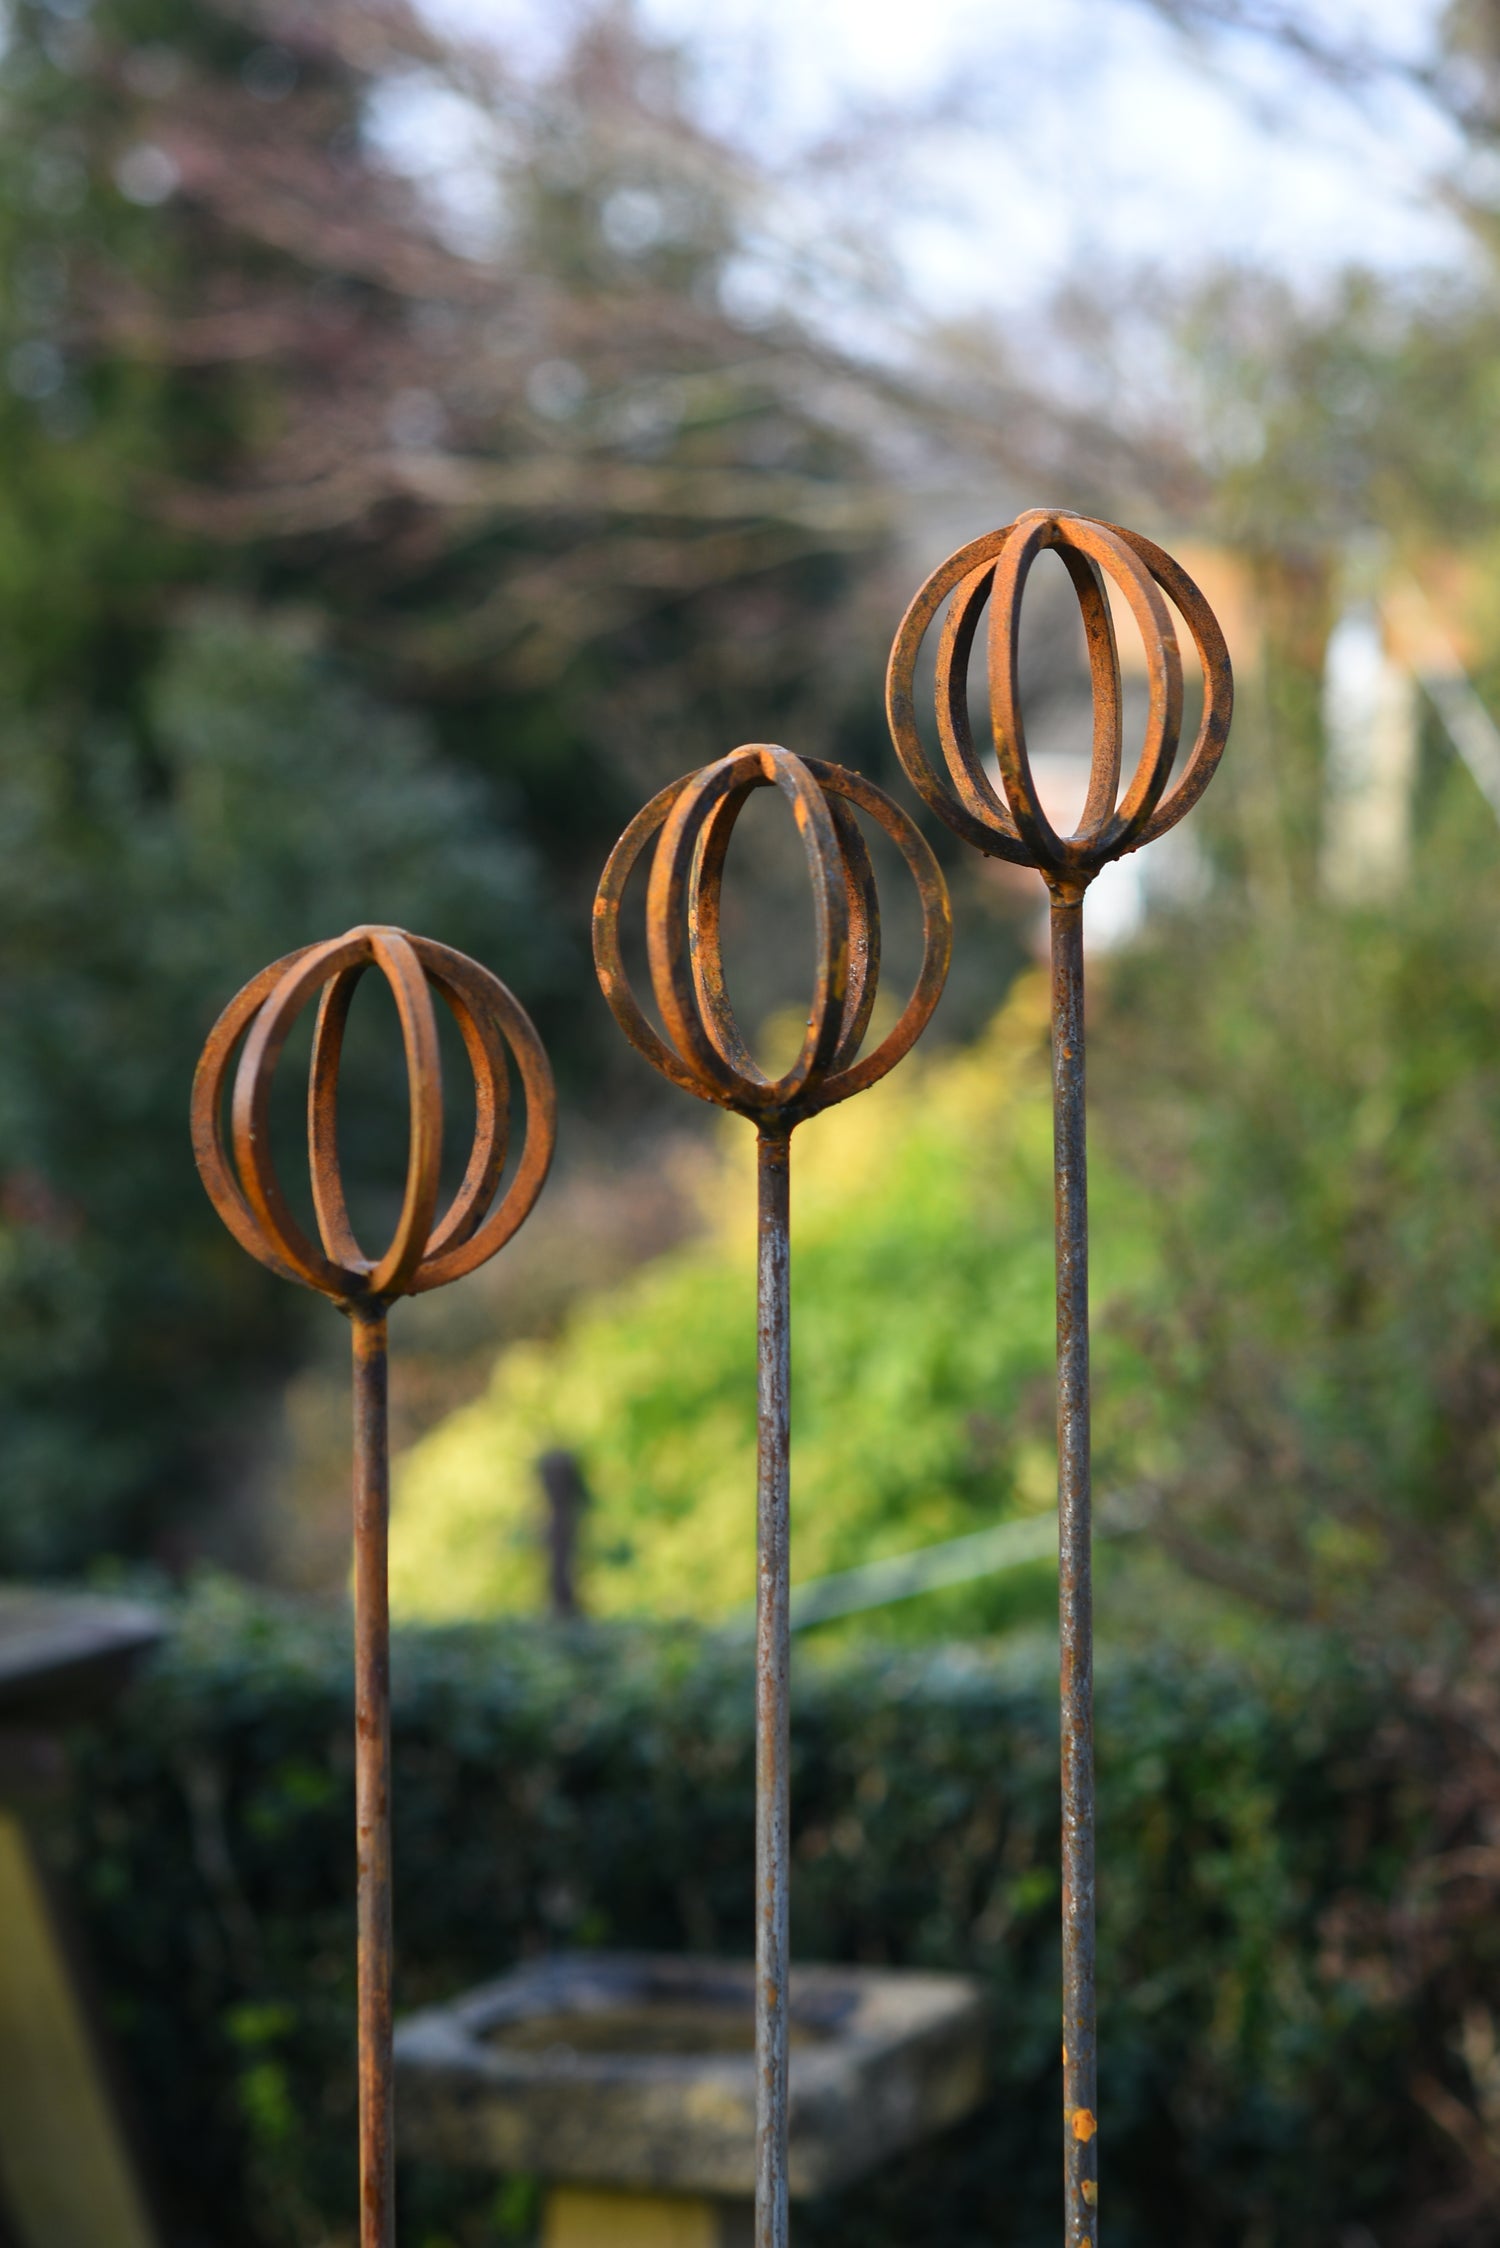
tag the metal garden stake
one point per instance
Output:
(705, 1053)
(424, 1253)
(1009, 823)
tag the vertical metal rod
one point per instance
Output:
(1075, 1576)
(772, 1674)
(372, 1776)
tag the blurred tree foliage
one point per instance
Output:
(1306, 1100)
(503, 508)
(535, 472)
(1322, 414)
(1327, 1195)
(132, 904)
(1308, 1097)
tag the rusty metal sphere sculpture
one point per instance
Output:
(991, 573)
(705, 1052)
(423, 1254)
(1011, 823)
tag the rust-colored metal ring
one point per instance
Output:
(425, 1251)
(704, 1051)
(1010, 823)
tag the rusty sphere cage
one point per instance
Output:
(1010, 822)
(990, 574)
(705, 1052)
(424, 1252)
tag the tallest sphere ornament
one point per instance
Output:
(1009, 821)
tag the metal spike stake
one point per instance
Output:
(1009, 823)
(425, 1253)
(705, 1053)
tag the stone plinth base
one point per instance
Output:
(580, 2217)
(638, 2072)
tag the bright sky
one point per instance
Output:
(1099, 132)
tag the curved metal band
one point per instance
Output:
(486, 1051)
(937, 932)
(250, 1113)
(682, 923)
(970, 781)
(214, 1168)
(993, 570)
(246, 1191)
(861, 925)
(1104, 831)
(450, 1254)
(1218, 683)
(705, 1052)
(609, 960)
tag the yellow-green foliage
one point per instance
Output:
(921, 1352)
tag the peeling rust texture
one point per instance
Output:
(705, 1052)
(424, 1253)
(1008, 822)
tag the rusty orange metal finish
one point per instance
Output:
(424, 1252)
(1009, 822)
(705, 1052)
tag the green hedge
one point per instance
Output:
(595, 1788)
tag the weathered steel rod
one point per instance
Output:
(1011, 823)
(425, 1253)
(704, 1052)
(372, 1776)
(1075, 1538)
(773, 1658)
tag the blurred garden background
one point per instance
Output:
(424, 431)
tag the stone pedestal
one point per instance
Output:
(67, 2175)
(587, 2217)
(627, 2082)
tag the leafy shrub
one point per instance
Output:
(922, 1342)
(277, 804)
(594, 1787)
(1309, 1103)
